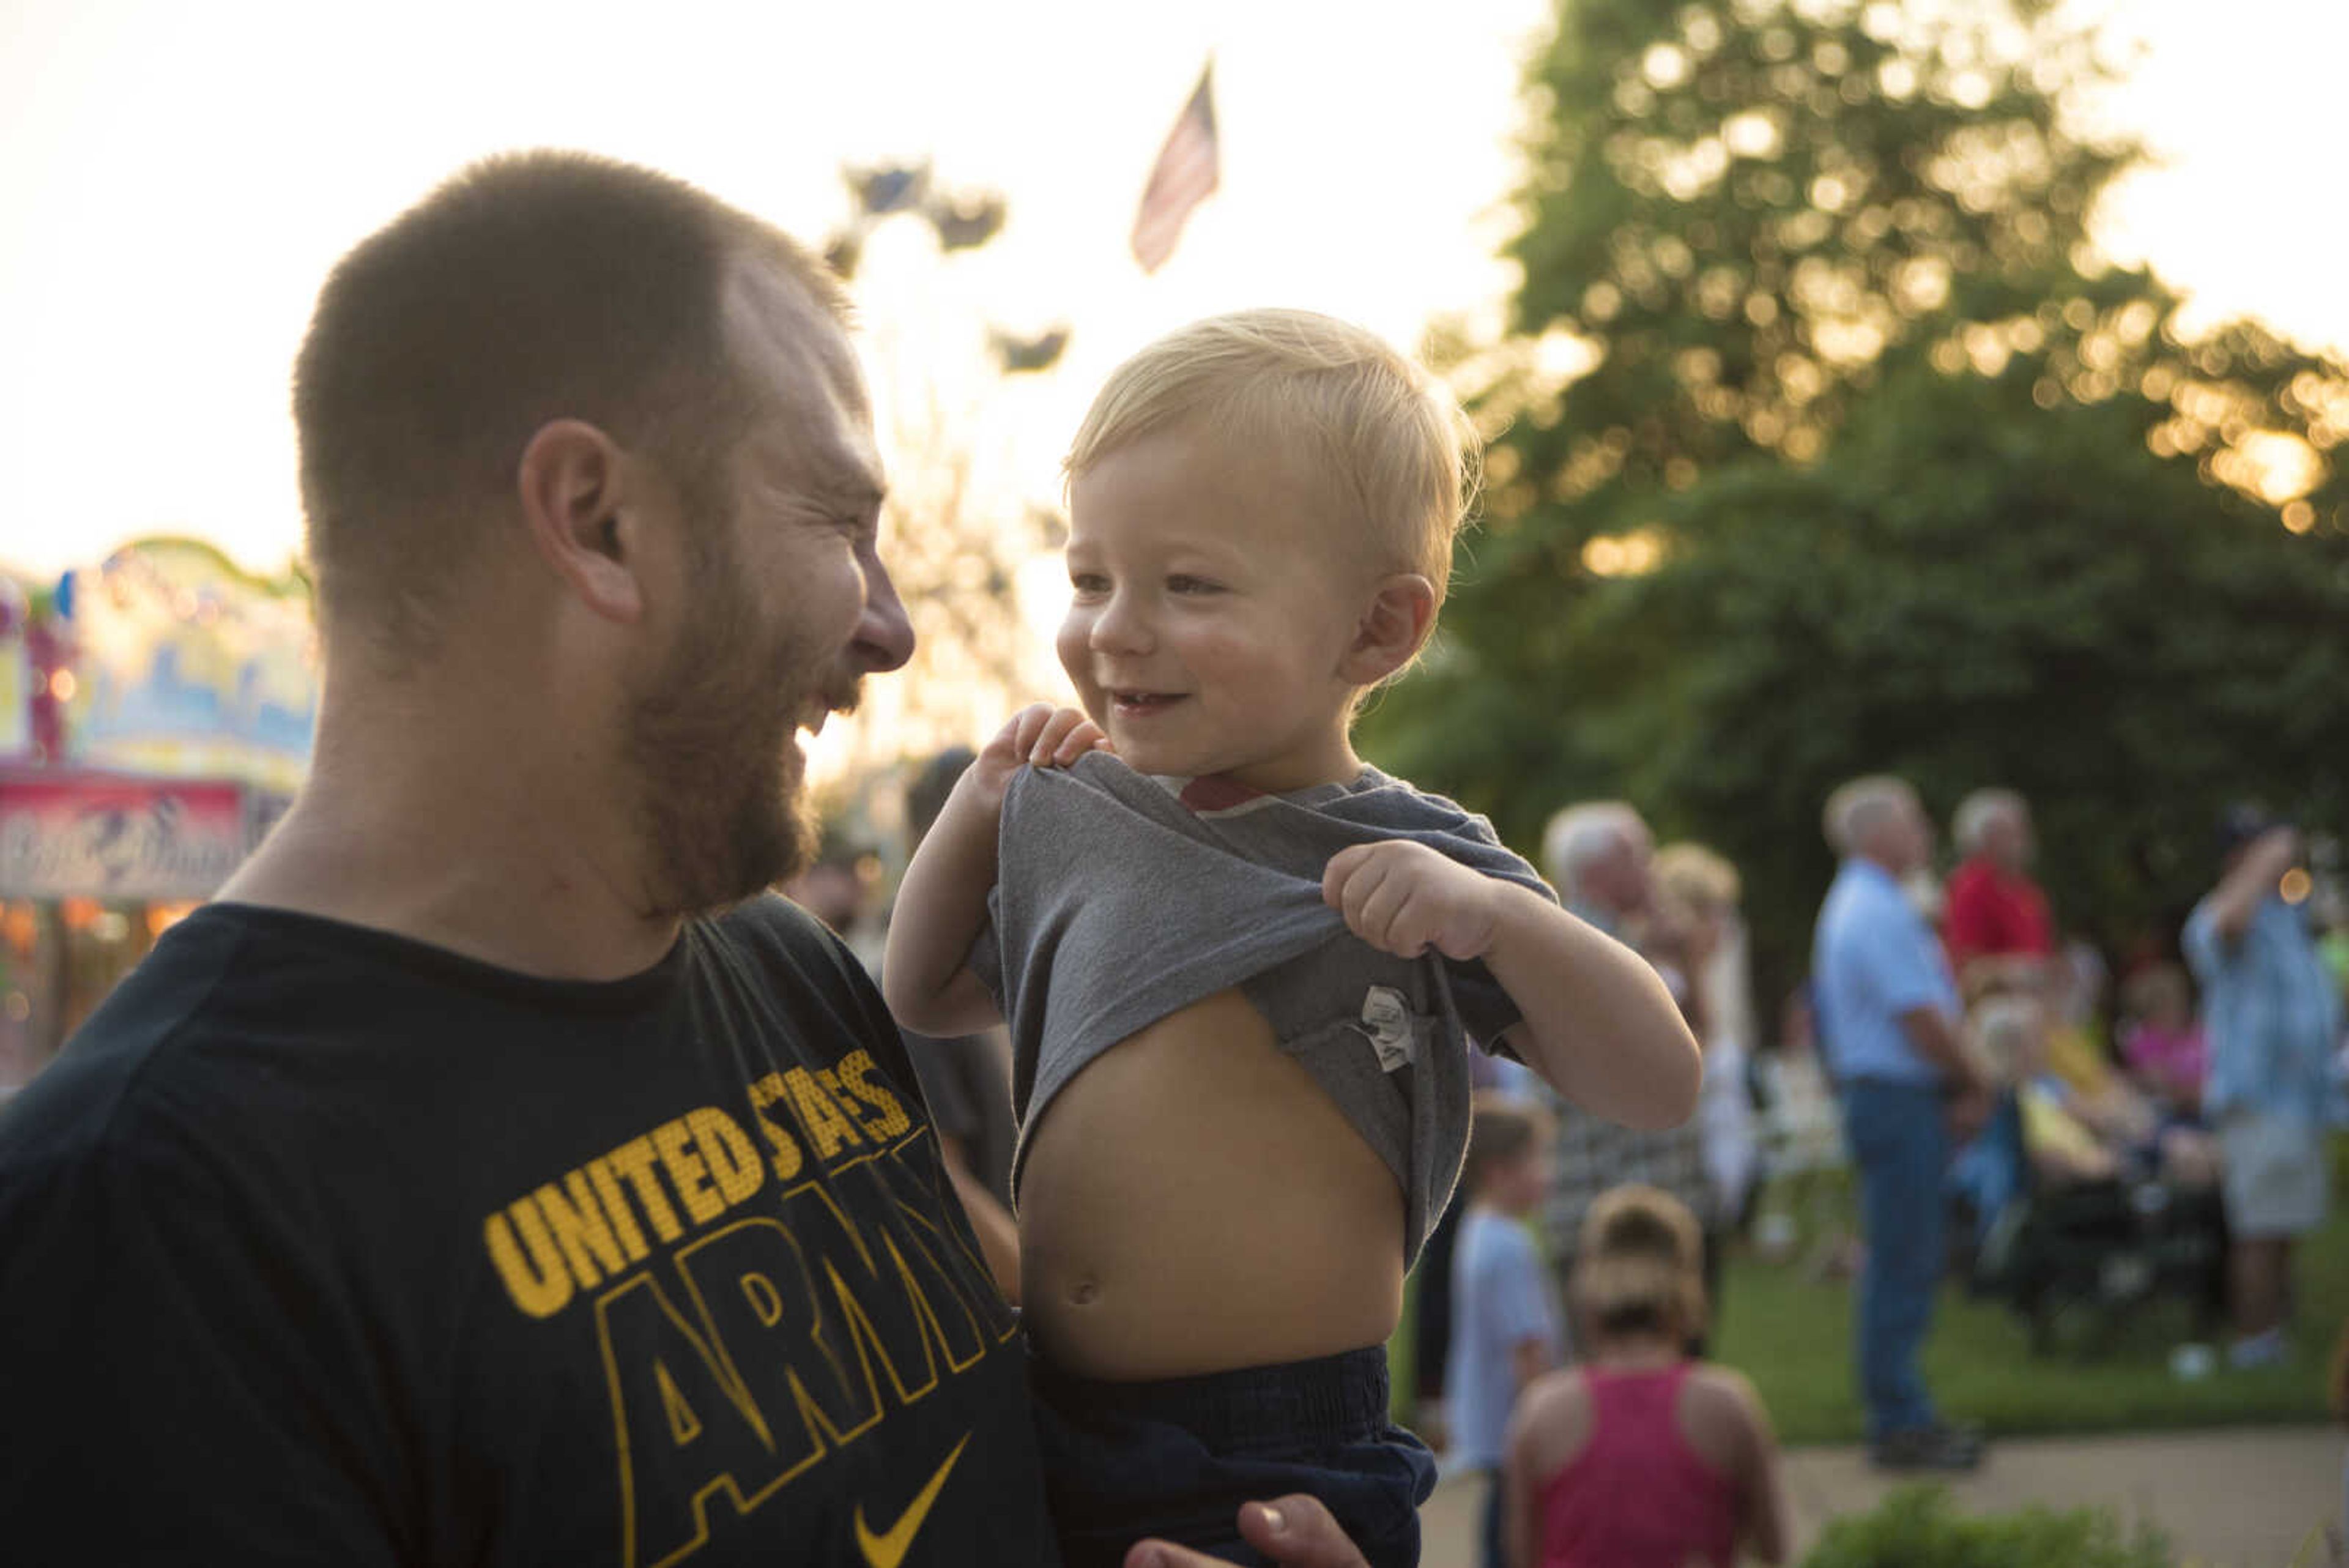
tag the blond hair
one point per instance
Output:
(1640, 1265)
(1388, 439)
(1696, 877)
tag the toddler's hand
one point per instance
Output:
(1038, 735)
(1404, 897)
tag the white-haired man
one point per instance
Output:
(1888, 1015)
(1599, 853)
(1994, 919)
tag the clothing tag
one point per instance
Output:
(1386, 1019)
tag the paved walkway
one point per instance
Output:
(2245, 1499)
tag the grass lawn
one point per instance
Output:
(1792, 1335)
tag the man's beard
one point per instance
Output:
(723, 802)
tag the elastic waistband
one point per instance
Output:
(1337, 1397)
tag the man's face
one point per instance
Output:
(2006, 839)
(788, 608)
(1898, 836)
(1626, 881)
(1916, 836)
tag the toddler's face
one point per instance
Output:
(1210, 614)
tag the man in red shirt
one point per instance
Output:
(1995, 922)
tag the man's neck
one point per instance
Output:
(506, 857)
(1890, 868)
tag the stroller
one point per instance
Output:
(2074, 1259)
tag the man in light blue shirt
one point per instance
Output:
(2273, 1019)
(1888, 1015)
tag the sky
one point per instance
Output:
(176, 179)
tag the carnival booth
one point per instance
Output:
(155, 717)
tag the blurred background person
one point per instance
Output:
(2162, 1043)
(1505, 1329)
(1889, 1015)
(1697, 896)
(835, 886)
(1994, 917)
(1641, 1456)
(1600, 855)
(2274, 1022)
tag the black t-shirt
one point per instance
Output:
(326, 1246)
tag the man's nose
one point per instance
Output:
(885, 636)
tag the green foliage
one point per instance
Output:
(1825, 445)
(1916, 1527)
(1744, 204)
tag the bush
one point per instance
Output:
(1916, 1527)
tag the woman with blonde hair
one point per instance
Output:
(1639, 1456)
(1697, 894)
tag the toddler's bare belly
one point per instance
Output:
(1192, 1202)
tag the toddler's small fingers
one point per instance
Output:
(1380, 917)
(1344, 869)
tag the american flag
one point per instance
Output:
(1184, 176)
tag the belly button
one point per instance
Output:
(1083, 1292)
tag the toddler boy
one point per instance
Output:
(1240, 965)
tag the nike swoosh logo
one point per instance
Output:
(887, 1549)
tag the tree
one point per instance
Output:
(948, 385)
(1823, 442)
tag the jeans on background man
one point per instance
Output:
(1900, 1149)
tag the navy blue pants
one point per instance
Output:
(1897, 1142)
(1175, 1459)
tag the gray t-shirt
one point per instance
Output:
(1120, 900)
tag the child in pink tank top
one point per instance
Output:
(1640, 1458)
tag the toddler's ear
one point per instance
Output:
(1401, 614)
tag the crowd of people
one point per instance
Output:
(1966, 1050)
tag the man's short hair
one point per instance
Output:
(1856, 809)
(1976, 813)
(1580, 836)
(529, 287)
(1388, 439)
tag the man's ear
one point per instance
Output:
(572, 484)
(1401, 614)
